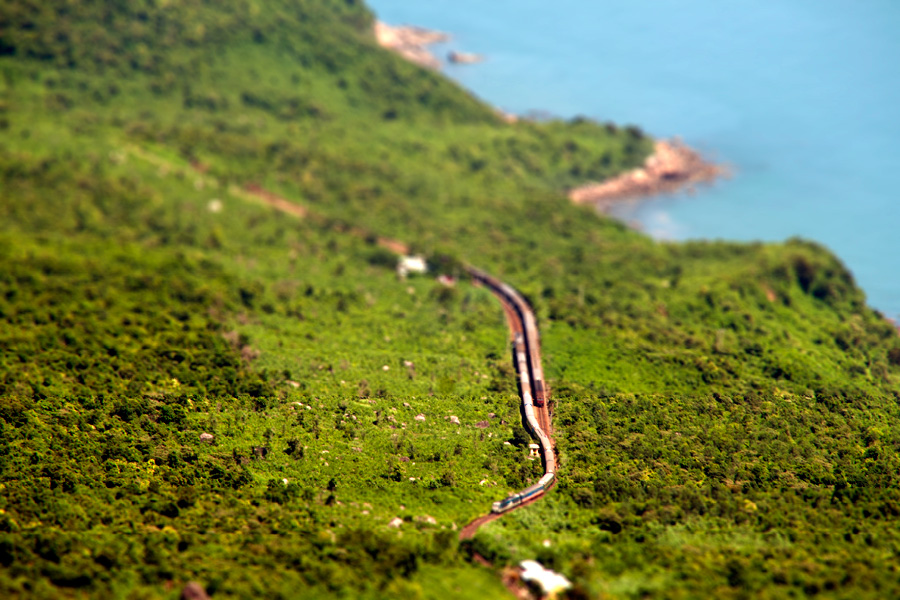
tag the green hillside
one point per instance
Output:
(726, 414)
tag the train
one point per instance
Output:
(528, 403)
(525, 495)
(531, 387)
(539, 390)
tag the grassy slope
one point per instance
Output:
(726, 414)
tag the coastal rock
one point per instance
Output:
(671, 167)
(464, 58)
(410, 42)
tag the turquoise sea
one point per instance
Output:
(801, 97)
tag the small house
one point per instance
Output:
(411, 264)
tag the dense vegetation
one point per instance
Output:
(726, 414)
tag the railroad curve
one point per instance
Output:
(533, 391)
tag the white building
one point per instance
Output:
(549, 581)
(411, 264)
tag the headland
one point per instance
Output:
(672, 167)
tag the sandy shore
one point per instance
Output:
(672, 167)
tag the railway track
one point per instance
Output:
(533, 391)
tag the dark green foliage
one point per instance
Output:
(141, 35)
(726, 413)
(117, 356)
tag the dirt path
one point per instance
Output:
(253, 192)
(275, 201)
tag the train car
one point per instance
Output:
(532, 343)
(514, 351)
(549, 457)
(521, 363)
(531, 420)
(524, 496)
(530, 340)
(539, 395)
(506, 504)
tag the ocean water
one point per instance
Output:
(800, 97)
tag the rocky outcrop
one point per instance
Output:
(193, 591)
(464, 58)
(410, 42)
(672, 167)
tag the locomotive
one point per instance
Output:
(527, 494)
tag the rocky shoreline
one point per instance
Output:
(411, 42)
(671, 168)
